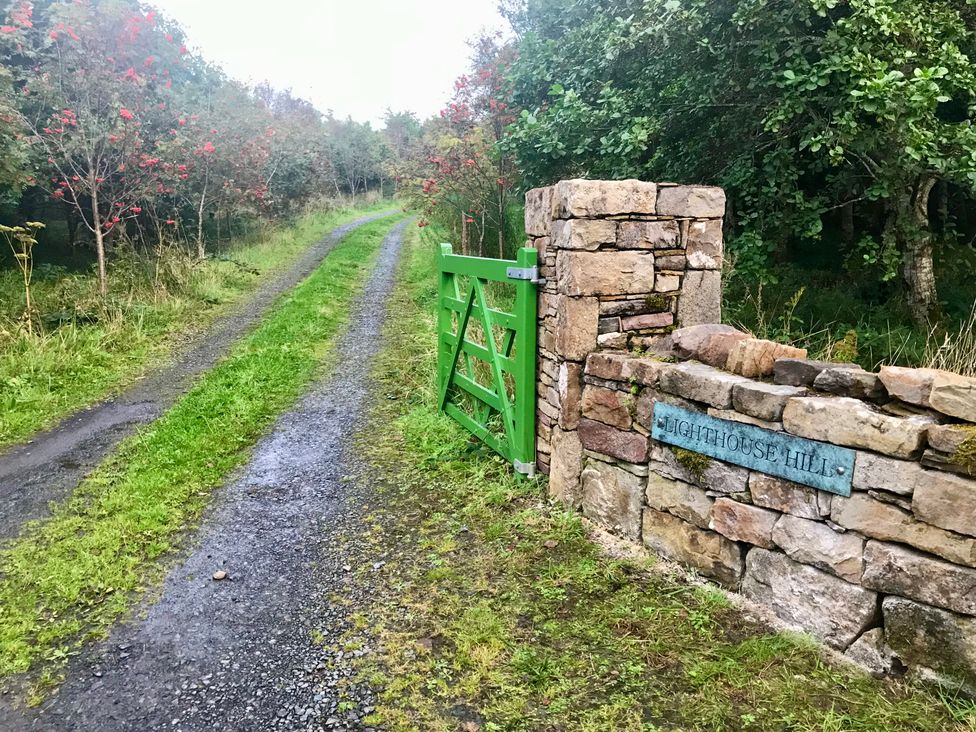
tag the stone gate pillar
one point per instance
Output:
(625, 262)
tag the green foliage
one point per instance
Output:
(797, 108)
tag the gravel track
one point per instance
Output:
(51, 466)
(258, 650)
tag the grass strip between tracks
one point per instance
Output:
(67, 578)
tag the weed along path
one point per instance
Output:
(52, 464)
(234, 641)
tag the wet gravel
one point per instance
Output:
(258, 650)
(52, 465)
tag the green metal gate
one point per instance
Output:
(487, 353)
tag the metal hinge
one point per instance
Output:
(525, 273)
(527, 469)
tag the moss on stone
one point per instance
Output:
(965, 456)
(656, 303)
(694, 462)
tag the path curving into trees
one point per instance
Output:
(50, 466)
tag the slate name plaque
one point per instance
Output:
(815, 464)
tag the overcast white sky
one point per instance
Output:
(355, 57)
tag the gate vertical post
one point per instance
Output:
(526, 310)
(444, 318)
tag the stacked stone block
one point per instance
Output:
(625, 263)
(889, 572)
(887, 575)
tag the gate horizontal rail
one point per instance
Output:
(488, 384)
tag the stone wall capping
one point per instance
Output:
(581, 199)
(700, 383)
(756, 357)
(803, 371)
(852, 423)
(764, 401)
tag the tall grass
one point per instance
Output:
(88, 348)
(954, 351)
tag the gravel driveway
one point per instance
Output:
(52, 465)
(252, 651)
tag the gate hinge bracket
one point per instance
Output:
(527, 469)
(525, 273)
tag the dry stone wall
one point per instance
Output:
(886, 574)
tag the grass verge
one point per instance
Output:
(496, 611)
(67, 578)
(91, 349)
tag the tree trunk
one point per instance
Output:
(918, 265)
(201, 253)
(847, 223)
(99, 244)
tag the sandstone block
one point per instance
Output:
(587, 234)
(954, 395)
(926, 636)
(700, 383)
(803, 371)
(787, 497)
(687, 342)
(897, 570)
(608, 406)
(670, 262)
(607, 365)
(910, 385)
(615, 341)
(711, 554)
(754, 357)
(581, 199)
(733, 416)
(679, 499)
(701, 298)
(644, 371)
(853, 423)
(847, 382)
(763, 401)
(566, 465)
(631, 447)
(876, 473)
(576, 327)
(716, 476)
(816, 544)
(716, 348)
(570, 394)
(948, 438)
(604, 273)
(648, 235)
(694, 202)
(666, 282)
(947, 501)
(538, 211)
(650, 320)
(886, 522)
(871, 652)
(612, 497)
(704, 247)
(827, 606)
(742, 522)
